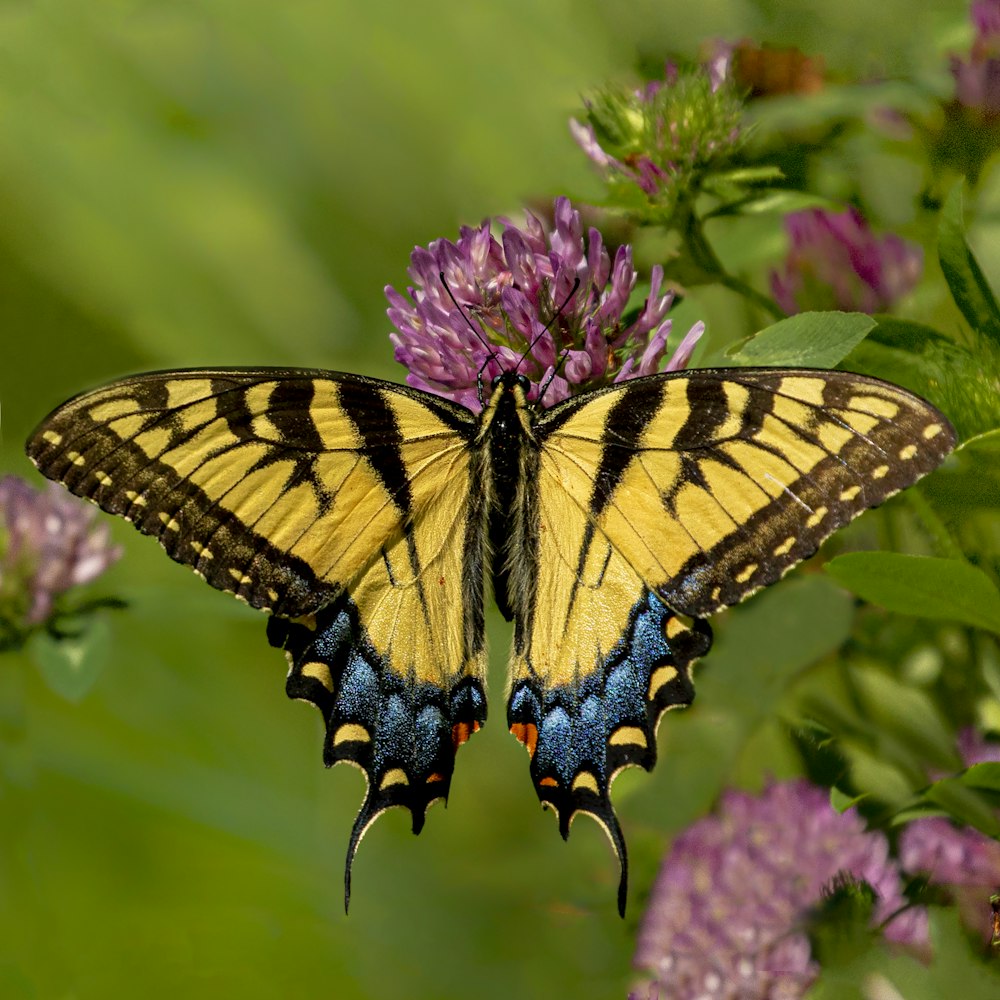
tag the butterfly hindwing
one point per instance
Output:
(662, 500)
(344, 505)
(401, 732)
(367, 516)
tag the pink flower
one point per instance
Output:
(550, 305)
(951, 855)
(48, 544)
(726, 915)
(835, 261)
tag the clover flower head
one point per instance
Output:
(977, 78)
(726, 916)
(49, 543)
(835, 261)
(549, 305)
(951, 855)
(651, 143)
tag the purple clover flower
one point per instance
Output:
(525, 301)
(661, 136)
(835, 261)
(951, 855)
(986, 20)
(726, 915)
(48, 544)
(977, 80)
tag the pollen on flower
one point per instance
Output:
(551, 305)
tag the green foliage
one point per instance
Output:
(920, 585)
(234, 184)
(72, 662)
(808, 340)
(968, 285)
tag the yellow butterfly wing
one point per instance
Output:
(342, 504)
(662, 500)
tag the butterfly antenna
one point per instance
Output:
(565, 353)
(478, 333)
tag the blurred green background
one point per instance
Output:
(233, 182)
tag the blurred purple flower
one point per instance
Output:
(977, 85)
(951, 855)
(520, 308)
(977, 80)
(726, 917)
(48, 544)
(835, 261)
(986, 20)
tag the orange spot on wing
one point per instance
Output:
(549, 782)
(527, 733)
(436, 776)
(461, 731)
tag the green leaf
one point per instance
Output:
(904, 714)
(907, 334)
(968, 285)
(750, 175)
(923, 586)
(771, 202)
(833, 104)
(982, 447)
(808, 340)
(913, 355)
(841, 801)
(963, 804)
(70, 665)
(985, 776)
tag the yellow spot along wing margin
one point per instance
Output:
(713, 483)
(677, 495)
(341, 502)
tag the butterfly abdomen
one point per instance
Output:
(510, 462)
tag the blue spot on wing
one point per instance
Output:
(402, 734)
(580, 735)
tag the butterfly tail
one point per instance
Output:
(402, 735)
(580, 736)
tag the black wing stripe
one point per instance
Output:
(708, 410)
(626, 421)
(373, 418)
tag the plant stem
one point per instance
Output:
(701, 252)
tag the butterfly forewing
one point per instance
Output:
(713, 483)
(663, 500)
(341, 502)
(358, 511)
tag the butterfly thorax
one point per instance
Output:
(509, 454)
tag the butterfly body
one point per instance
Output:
(372, 518)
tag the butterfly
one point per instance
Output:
(370, 519)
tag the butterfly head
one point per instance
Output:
(548, 301)
(507, 381)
